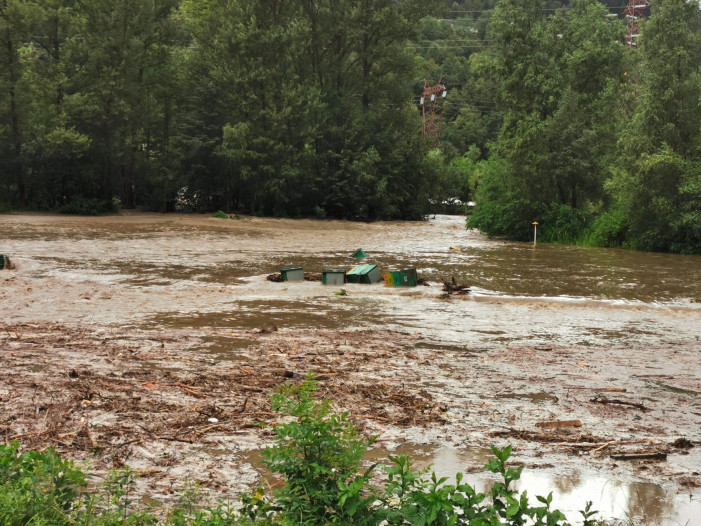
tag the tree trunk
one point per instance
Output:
(16, 132)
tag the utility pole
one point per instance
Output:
(432, 104)
(633, 11)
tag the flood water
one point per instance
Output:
(151, 271)
(180, 271)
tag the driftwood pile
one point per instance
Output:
(308, 276)
(82, 389)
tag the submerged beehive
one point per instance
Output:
(333, 277)
(364, 274)
(401, 278)
(292, 274)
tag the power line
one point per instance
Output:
(548, 9)
(456, 40)
(448, 47)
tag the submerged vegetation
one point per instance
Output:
(319, 455)
(299, 108)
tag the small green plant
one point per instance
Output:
(319, 454)
(220, 215)
(342, 292)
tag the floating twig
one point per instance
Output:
(602, 400)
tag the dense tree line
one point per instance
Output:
(285, 107)
(312, 108)
(558, 120)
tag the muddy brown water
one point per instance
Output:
(176, 271)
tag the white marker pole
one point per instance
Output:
(535, 231)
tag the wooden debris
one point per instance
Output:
(558, 424)
(453, 287)
(639, 456)
(551, 438)
(600, 389)
(148, 472)
(206, 429)
(188, 389)
(603, 400)
(7, 264)
(270, 328)
(689, 482)
(682, 443)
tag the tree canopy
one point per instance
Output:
(313, 108)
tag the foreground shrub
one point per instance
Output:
(37, 487)
(319, 455)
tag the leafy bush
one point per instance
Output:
(319, 453)
(608, 230)
(562, 224)
(36, 487)
(89, 206)
(220, 215)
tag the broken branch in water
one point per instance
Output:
(453, 287)
(640, 456)
(603, 400)
(601, 389)
(557, 424)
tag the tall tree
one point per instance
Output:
(124, 49)
(313, 112)
(657, 183)
(558, 81)
(13, 34)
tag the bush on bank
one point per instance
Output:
(319, 453)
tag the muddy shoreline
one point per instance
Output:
(165, 363)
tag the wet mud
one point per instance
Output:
(154, 341)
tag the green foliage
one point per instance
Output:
(37, 487)
(654, 184)
(302, 109)
(220, 215)
(319, 455)
(88, 206)
(551, 155)
(561, 223)
(608, 230)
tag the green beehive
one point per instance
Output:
(292, 274)
(333, 277)
(364, 274)
(410, 277)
